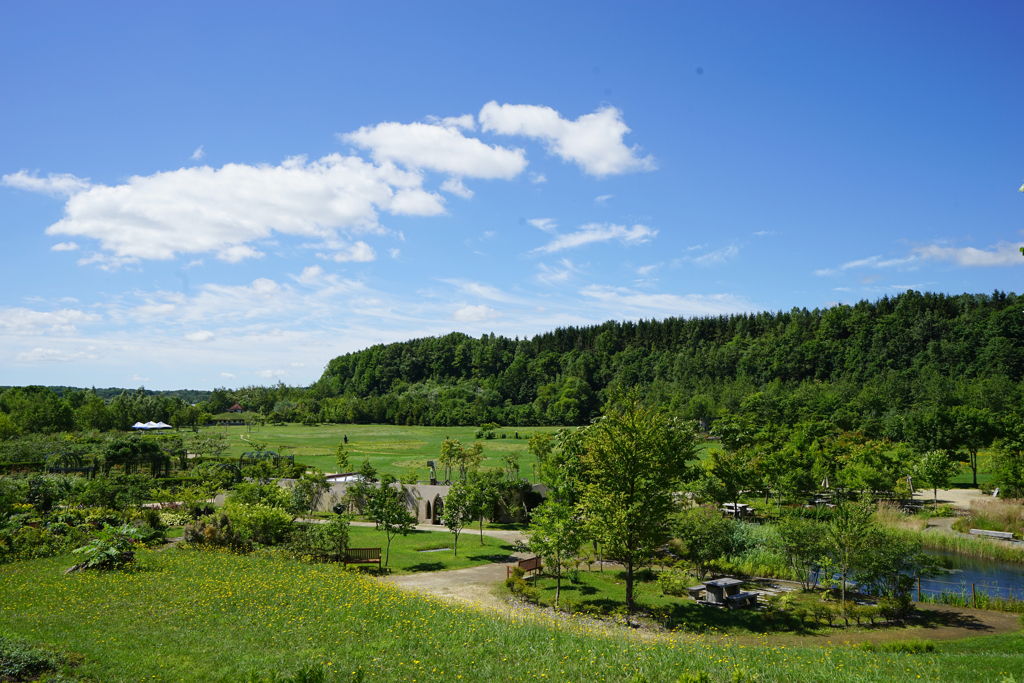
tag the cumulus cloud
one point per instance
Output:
(594, 141)
(53, 184)
(200, 336)
(201, 209)
(537, 178)
(199, 153)
(1002, 254)
(455, 186)
(473, 314)
(598, 232)
(64, 246)
(227, 375)
(361, 252)
(437, 147)
(394, 252)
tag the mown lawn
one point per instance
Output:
(393, 449)
(430, 551)
(213, 616)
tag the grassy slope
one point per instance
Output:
(204, 616)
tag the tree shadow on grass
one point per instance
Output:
(940, 619)
(426, 567)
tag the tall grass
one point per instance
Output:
(994, 514)
(964, 598)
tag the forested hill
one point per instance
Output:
(857, 366)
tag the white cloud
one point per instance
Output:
(597, 232)
(603, 198)
(594, 141)
(201, 209)
(200, 336)
(192, 264)
(551, 275)
(439, 148)
(199, 153)
(227, 375)
(298, 365)
(1002, 254)
(394, 252)
(628, 303)
(64, 246)
(479, 290)
(455, 186)
(139, 378)
(53, 184)
(23, 321)
(40, 355)
(764, 233)
(360, 252)
(267, 374)
(545, 224)
(717, 256)
(647, 270)
(474, 314)
(311, 275)
(870, 262)
(537, 178)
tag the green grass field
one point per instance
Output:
(190, 615)
(431, 551)
(392, 449)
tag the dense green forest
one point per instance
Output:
(868, 367)
(862, 367)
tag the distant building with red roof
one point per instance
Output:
(235, 409)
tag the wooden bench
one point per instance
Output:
(530, 564)
(695, 591)
(742, 599)
(1007, 535)
(362, 556)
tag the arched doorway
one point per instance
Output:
(428, 515)
(438, 509)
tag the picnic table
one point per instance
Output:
(726, 591)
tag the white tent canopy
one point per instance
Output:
(151, 425)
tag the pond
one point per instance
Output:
(1002, 579)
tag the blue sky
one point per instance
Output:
(216, 194)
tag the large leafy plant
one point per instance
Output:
(113, 547)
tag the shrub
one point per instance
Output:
(215, 530)
(673, 582)
(22, 661)
(911, 646)
(260, 494)
(260, 524)
(321, 542)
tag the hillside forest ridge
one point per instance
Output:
(876, 368)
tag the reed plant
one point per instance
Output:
(994, 514)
